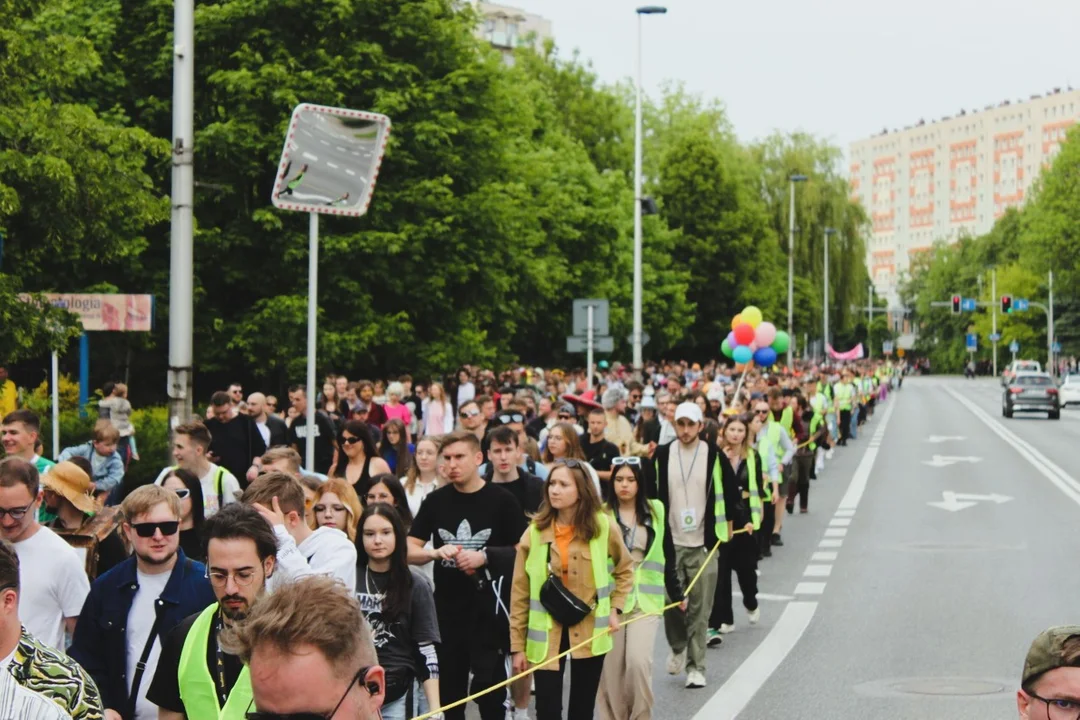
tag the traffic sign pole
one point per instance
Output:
(993, 314)
(589, 347)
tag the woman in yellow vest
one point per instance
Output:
(626, 684)
(562, 570)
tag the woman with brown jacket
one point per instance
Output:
(566, 551)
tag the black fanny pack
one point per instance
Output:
(565, 607)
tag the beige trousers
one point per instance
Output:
(626, 684)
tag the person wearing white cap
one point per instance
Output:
(688, 480)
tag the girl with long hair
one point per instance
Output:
(386, 488)
(187, 485)
(357, 459)
(573, 540)
(740, 554)
(423, 477)
(437, 411)
(335, 505)
(395, 447)
(330, 403)
(626, 683)
(400, 608)
(563, 443)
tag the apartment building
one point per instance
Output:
(507, 27)
(939, 179)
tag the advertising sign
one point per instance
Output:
(123, 313)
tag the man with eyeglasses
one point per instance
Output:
(131, 608)
(196, 677)
(54, 582)
(311, 656)
(1050, 684)
(34, 666)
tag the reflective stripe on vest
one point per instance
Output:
(540, 622)
(197, 688)
(648, 592)
(844, 393)
(755, 495)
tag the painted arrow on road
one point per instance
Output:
(955, 502)
(944, 438)
(947, 460)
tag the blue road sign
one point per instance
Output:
(995, 337)
(1020, 304)
(1014, 347)
(972, 342)
(1057, 347)
(968, 304)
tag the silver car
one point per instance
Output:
(1031, 392)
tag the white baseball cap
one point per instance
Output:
(689, 411)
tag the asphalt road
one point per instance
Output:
(884, 606)
(340, 160)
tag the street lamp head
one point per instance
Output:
(652, 10)
(798, 178)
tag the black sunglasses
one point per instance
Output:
(350, 440)
(468, 413)
(508, 418)
(182, 493)
(565, 417)
(361, 674)
(147, 529)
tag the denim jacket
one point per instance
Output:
(100, 644)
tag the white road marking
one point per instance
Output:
(309, 156)
(349, 172)
(857, 487)
(824, 556)
(306, 132)
(835, 532)
(735, 694)
(1047, 468)
(844, 513)
(340, 149)
(768, 597)
(840, 522)
(810, 588)
(831, 543)
(944, 438)
(331, 165)
(817, 571)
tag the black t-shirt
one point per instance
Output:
(529, 501)
(324, 439)
(236, 444)
(599, 454)
(164, 691)
(397, 639)
(489, 519)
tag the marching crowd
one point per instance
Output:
(480, 527)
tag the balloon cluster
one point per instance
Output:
(753, 339)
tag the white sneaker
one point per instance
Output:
(694, 679)
(676, 662)
(725, 629)
(754, 616)
(829, 454)
(521, 714)
(818, 469)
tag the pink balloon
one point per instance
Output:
(744, 334)
(765, 334)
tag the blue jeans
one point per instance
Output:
(854, 420)
(422, 707)
(395, 710)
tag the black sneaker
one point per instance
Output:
(767, 552)
(776, 541)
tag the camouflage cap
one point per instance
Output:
(1047, 652)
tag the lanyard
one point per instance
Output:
(223, 693)
(686, 475)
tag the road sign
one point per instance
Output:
(995, 337)
(1014, 347)
(603, 344)
(972, 342)
(887, 347)
(1057, 347)
(600, 308)
(955, 502)
(968, 305)
(900, 352)
(644, 338)
(947, 460)
(1020, 304)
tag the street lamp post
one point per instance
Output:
(829, 232)
(791, 265)
(638, 363)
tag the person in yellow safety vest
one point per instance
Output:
(688, 479)
(819, 406)
(781, 416)
(571, 540)
(195, 678)
(844, 393)
(743, 464)
(626, 683)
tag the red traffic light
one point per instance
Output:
(1006, 303)
(956, 301)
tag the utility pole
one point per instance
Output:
(993, 313)
(1050, 333)
(181, 258)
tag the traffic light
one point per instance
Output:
(956, 300)
(1006, 304)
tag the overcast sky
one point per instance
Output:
(841, 69)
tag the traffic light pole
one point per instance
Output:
(993, 314)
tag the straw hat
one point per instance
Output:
(69, 481)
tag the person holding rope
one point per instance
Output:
(563, 597)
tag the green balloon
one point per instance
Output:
(725, 348)
(782, 342)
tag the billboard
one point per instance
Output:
(105, 312)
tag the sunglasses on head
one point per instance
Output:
(571, 463)
(147, 529)
(627, 460)
(361, 675)
(508, 418)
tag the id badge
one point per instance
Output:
(689, 519)
(746, 494)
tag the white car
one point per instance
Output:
(1019, 366)
(1070, 390)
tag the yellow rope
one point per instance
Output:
(580, 645)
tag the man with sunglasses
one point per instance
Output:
(472, 419)
(131, 608)
(1050, 684)
(311, 655)
(196, 677)
(54, 582)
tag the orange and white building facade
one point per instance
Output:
(939, 180)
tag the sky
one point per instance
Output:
(840, 69)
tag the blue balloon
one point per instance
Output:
(765, 357)
(742, 354)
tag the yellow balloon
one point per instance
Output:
(752, 316)
(736, 321)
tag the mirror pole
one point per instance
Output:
(312, 317)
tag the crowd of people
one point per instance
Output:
(443, 538)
